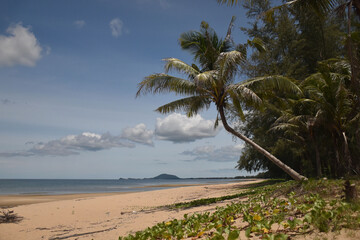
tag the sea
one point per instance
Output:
(74, 186)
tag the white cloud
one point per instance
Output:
(179, 128)
(73, 145)
(116, 26)
(87, 141)
(79, 23)
(20, 47)
(229, 153)
(139, 134)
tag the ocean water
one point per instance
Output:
(71, 186)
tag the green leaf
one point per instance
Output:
(233, 235)
(248, 232)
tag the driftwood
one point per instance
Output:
(9, 217)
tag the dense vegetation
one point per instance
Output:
(271, 212)
(316, 134)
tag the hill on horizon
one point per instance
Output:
(166, 176)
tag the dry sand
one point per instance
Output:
(102, 216)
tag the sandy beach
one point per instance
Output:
(102, 215)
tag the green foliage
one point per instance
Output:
(273, 212)
(316, 134)
(295, 41)
(207, 201)
(205, 45)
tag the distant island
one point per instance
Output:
(166, 176)
(161, 176)
(170, 177)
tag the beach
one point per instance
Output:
(103, 215)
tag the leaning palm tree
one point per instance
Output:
(216, 85)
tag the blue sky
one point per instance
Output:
(69, 72)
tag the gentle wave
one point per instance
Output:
(72, 186)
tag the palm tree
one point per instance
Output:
(216, 85)
(333, 101)
(326, 114)
(299, 127)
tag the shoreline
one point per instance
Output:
(14, 200)
(108, 216)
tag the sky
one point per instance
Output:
(69, 72)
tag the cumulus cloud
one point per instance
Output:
(19, 47)
(211, 153)
(116, 26)
(139, 134)
(79, 23)
(73, 145)
(179, 128)
(85, 142)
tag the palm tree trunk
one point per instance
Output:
(337, 157)
(296, 176)
(347, 153)
(317, 156)
(318, 162)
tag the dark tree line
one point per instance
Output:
(318, 133)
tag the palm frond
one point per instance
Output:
(191, 105)
(228, 2)
(277, 82)
(181, 67)
(284, 117)
(163, 83)
(216, 124)
(190, 41)
(205, 45)
(248, 96)
(206, 80)
(227, 64)
(283, 127)
(237, 105)
(258, 44)
(321, 7)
